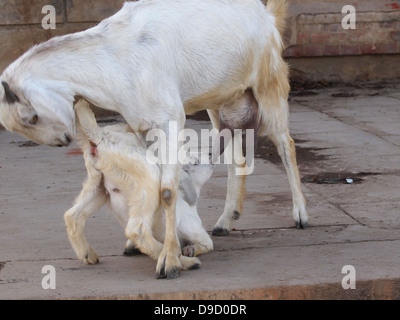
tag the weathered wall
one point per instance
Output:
(315, 29)
(319, 48)
(21, 22)
(317, 45)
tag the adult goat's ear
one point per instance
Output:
(11, 97)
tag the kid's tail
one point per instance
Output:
(87, 121)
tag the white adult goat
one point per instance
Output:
(152, 62)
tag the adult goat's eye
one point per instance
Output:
(34, 120)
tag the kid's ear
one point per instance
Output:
(187, 187)
(10, 96)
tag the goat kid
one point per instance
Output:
(118, 174)
(153, 62)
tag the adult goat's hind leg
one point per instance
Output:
(272, 97)
(235, 186)
(271, 93)
(287, 152)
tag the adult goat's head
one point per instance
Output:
(41, 112)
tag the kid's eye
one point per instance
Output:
(34, 120)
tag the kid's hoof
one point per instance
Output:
(220, 232)
(91, 262)
(91, 258)
(196, 266)
(128, 252)
(188, 251)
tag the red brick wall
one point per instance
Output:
(322, 35)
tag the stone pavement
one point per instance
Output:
(348, 144)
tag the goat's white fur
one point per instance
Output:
(118, 174)
(152, 62)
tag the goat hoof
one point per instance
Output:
(161, 275)
(196, 266)
(169, 274)
(91, 258)
(220, 232)
(300, 216)
(91, 262)
(128, 252)
(301, 224)
(173, 273)
(188, 251)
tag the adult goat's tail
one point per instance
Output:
(273, 87)
(87, 122)
(279, 10)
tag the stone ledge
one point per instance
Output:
(345, 69)
(379, 289)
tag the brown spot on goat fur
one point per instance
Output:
(166, 197)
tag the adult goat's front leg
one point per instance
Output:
(140, 233)
(169, 263)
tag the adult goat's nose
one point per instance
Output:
(68, 138)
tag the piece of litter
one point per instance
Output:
(349, 181)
